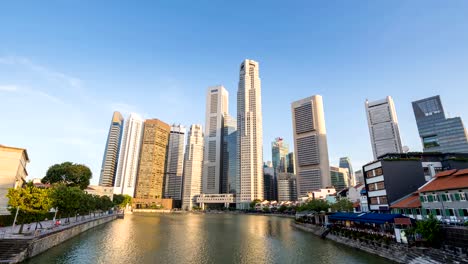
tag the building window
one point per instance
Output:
(436, 198)
(450, 212)
(430, 141)
(430, 198)
(462, 196)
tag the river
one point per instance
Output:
(201, 238)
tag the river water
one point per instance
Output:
(201, 238)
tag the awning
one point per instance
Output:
(366, 217)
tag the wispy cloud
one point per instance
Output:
(25, 91)
(44, 71)
(8, 88)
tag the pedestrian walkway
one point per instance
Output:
(33, 230)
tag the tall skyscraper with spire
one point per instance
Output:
(129, 153)
(111, 153)
(383, 127)
(175, 163)
(249, 135)
(216, 109)
(193, 167)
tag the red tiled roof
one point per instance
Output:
(409, 202)
(452, 181)
(358, 185)
(446, 173)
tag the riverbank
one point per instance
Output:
(399, 253)
(17, 249)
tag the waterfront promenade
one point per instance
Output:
(48, 226)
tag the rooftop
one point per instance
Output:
(411, 201)
(447, 180)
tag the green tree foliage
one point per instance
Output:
(121, 200)
(429, 229)
(67, 199)
(71, 174)
(316, 205)
(342, 205)
(253, 203)
(33, 203)
(282, 208)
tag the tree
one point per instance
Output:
(67, 199)
(33, 203)
(71, 174)
(121, 200)
(342, 205)
(282, 208)
(253, 203)
(316, 205)
(429, 229)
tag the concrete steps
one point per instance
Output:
(10, 249)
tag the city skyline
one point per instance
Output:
(77, 81)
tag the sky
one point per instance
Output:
(66, 65)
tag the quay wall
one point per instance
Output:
(49, 240)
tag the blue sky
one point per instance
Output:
(66, 65)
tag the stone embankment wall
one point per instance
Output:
(50, 240)
(399, 253)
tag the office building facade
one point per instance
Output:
(340, 178)
(310, 145)
(229, 177)
(193, 167)
(216, 108)
(287, 188)
(111, 153)
(249, 135)
(152, 163)
(175, 163)
(345, 162)
(438, 133)
(383, 127)
(127, 170)
(269, 185)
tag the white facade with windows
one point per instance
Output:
(249, 135)
(216, 109)
(383, 127)
(193, 166)
(310, 145)
(129, 154)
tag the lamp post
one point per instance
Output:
(14, 221)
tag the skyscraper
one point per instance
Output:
(340, 178)
(193, 166)
(111, 153)
(279, 153)
(152, 160)
(345, 162)
(383, 127)
(249, 135)
(125, 181)
(175, 163)
(269, 185)
(216, 109)
(228, 179)
(291, 166)
(310, 145)
(287, 189)
(438, 133)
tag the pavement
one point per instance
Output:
(30, 231)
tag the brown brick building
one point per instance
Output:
(150, 183)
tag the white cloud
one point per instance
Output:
(8, 88)
(44, 71)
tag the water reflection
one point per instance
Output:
(196, 238)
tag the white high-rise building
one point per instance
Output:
(216, 109)
(383, 127)
(310, 145)
(129, 155)
(175, 163)
(249, 135)
(193, 166)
